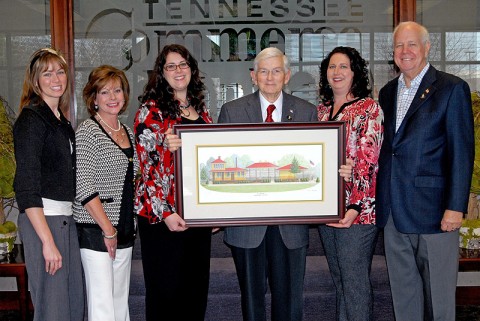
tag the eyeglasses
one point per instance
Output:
(173, 67)
(275, 72)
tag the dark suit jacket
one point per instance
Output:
(247, 109)
(426, 167)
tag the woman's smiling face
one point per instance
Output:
(179, 78)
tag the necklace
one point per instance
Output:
(120, 139)
(184, 108)
(115, 130)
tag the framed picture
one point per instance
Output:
(260, 174)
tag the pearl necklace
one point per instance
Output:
(115, 130)
(115, 133)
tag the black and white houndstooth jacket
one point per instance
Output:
(101, 169)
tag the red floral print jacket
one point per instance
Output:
(364, 132)
(155, 191)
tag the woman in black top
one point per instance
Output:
(45, 188)
(176, 260)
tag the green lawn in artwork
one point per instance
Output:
(258, 188)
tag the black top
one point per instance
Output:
(45, 156)
(187, 121)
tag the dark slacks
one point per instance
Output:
(349, 255)
(283, 268)
(176, 267)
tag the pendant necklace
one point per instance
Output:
(113, 134)
(184, 108)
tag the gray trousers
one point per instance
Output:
(423, 272)
(349, 253)
(56, 297)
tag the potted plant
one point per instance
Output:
(470, 230)
(8, 229)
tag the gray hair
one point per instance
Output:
(271, 52)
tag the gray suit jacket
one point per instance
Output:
(247, 109)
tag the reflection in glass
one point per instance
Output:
(24, 28)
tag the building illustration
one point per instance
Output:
(258, 172)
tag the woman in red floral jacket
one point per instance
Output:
(349, 244)
(176, 260)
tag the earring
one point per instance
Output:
(95, 107)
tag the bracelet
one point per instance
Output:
(110, 236)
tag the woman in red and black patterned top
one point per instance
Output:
(349, 244)
(176, 260)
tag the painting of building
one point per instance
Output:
(220, 173)
(286, 173)
(259, 172)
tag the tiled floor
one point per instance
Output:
(464, 313)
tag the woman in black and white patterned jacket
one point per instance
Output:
(103, 207)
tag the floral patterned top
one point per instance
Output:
(155, 191)
(364, 132)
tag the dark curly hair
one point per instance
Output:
(158, 89)
(361, 83)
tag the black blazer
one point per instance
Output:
(45, 156)
(426, 167)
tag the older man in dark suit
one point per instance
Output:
(276, 253)
(424, 176)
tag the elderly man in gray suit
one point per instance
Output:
(276, 252)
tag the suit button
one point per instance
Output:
(64, 222)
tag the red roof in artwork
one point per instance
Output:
(262, 165)
(289, 167)
(234, 169)
(218, 161)
(230, 169)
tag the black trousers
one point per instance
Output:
(282, 268)
(176, 268)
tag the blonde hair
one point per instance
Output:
(39, 62)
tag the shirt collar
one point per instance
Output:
(265, 103)
(417, 80)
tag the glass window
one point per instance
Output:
(224, 36)
(19, 38)
(455, 39)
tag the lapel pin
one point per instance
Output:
(289, 117)
(426, 92)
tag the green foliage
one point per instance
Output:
(469, 232)
(7, 159)
(8, 227)
(295, 168)
(288, 159)
(475, 188)
(204, 174)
